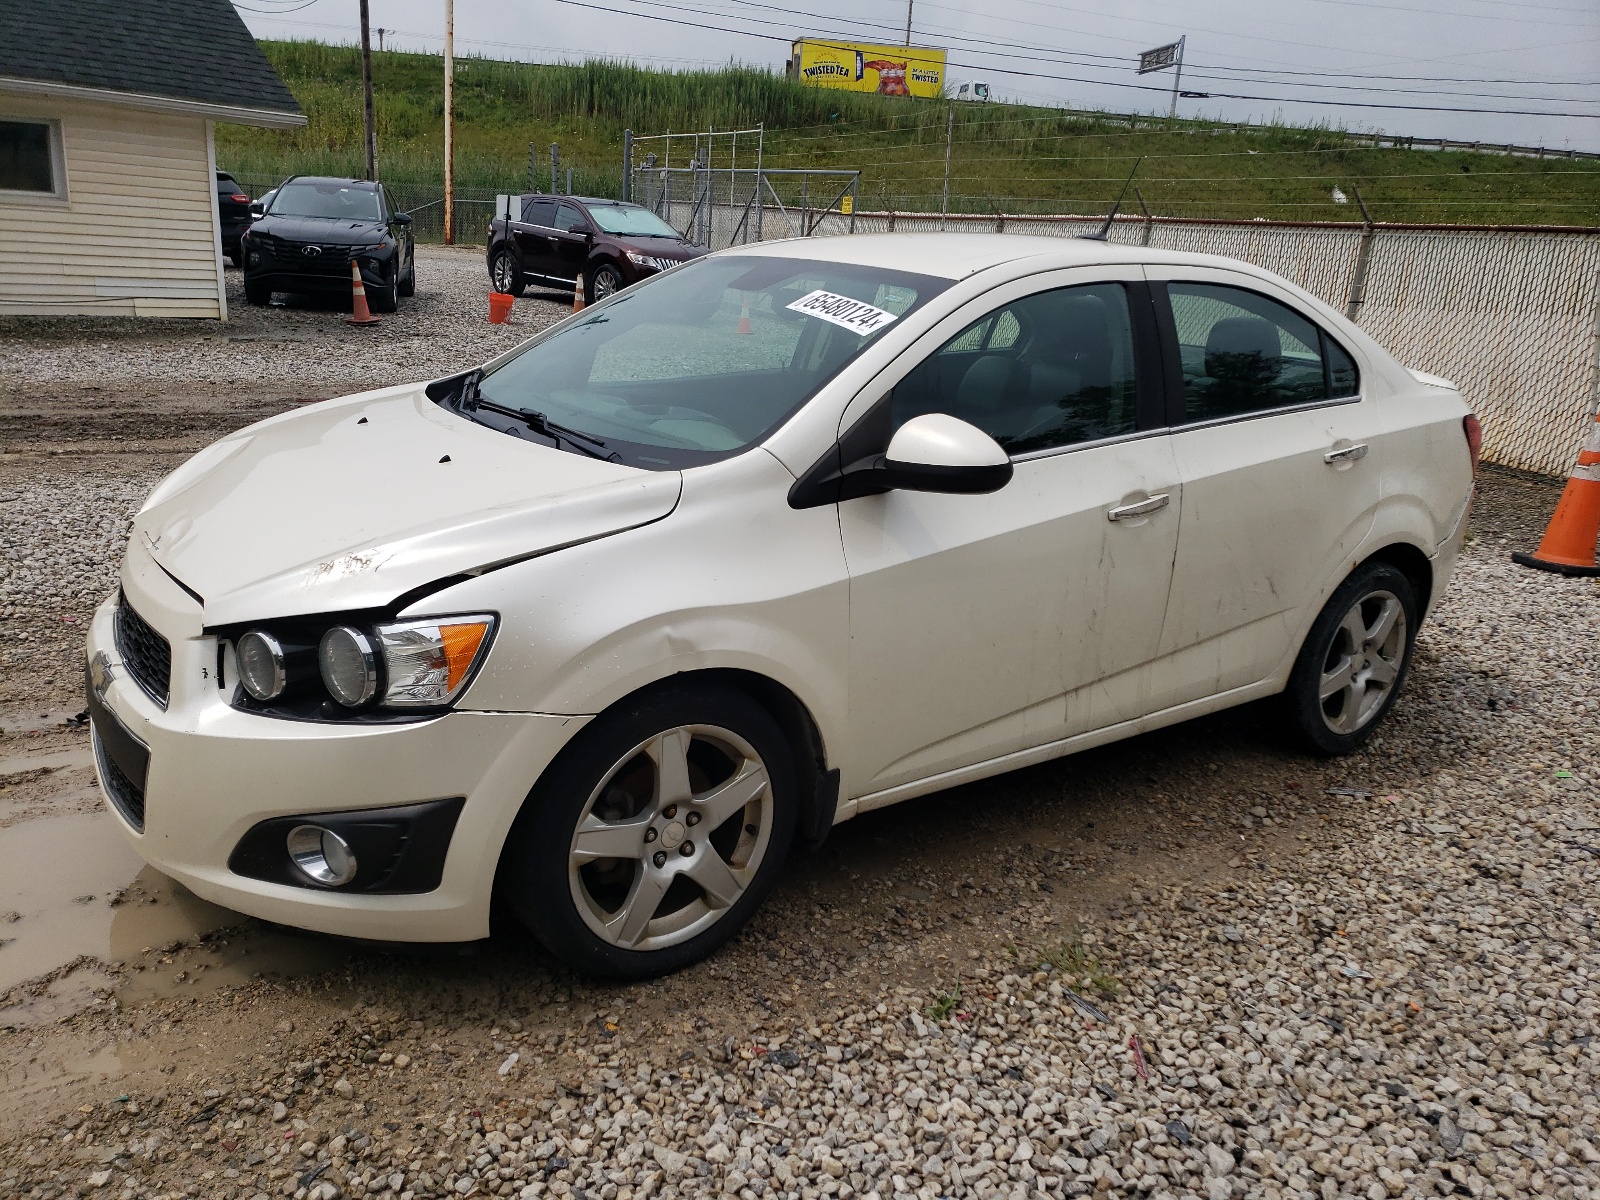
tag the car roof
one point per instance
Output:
(358, 183)
(958, 255)
(581, 199)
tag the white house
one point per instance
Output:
(108, 200)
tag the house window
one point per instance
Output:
(30, 158)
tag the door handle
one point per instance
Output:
(1143, 508)
(1348, 454)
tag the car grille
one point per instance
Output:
(124, 792)
(147, 654)
(291, 256)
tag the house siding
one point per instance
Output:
(135, 235)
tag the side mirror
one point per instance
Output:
(401, 218)
(255, 208)
(940, 453)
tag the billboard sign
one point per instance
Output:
(866, 67)
(1158, 59)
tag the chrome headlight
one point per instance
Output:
(349, 665)
(650, 260)
(427, 663)
(261, 665)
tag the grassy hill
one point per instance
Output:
(1007, 158)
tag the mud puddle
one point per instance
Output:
(73, 892)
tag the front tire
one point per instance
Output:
(257, 291)
(385, 297)
(655, 835)
(506, 275)
(604, 280)
(408, 283)
(1354, 661)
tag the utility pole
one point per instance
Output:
(366, 93)
(949, 132)
(381, 32)
(909, 3)
(1176, 76)
(449, 122)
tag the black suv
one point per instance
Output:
(233, 207)
(610, 243)
(315, 227)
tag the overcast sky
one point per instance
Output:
(1542, 56)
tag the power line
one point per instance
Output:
(1079, 79)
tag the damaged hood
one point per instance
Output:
(354, 502)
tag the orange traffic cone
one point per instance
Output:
(578, 301)
(1569, 541)
(360, 314)
(744, 314)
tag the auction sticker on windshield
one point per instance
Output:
(855, 315)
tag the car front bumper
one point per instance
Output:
(215, 773)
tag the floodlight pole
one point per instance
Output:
(449, 122)
(366, 92)
(909, 3)
(1177, 75)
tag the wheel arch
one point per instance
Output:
(818, 783)
(1414, 565)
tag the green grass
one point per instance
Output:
(1075, 966)
(943, 1004)
(1005, 157)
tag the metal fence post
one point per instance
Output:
(555, 168)
(627, 164)
(1358, 277)
(533, 169)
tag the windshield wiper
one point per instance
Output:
(536, 421)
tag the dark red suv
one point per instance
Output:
(609, 242)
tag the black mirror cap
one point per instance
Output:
(966, 481)
(402, 218)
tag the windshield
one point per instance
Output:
(630, 221)
(703, 361)
(338, 200)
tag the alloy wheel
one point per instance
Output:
(1363, 662)
(671, 838)
(504, 273)
(606, 282)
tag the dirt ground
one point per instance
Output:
(121, 994)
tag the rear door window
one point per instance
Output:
(539, 212)
(1243, 352)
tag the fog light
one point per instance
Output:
(349, 665)
(261, 668)
(322, 855)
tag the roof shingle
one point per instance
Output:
(178, 49)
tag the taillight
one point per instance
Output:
(1473, 428)
(239, 198)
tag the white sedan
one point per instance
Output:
(786, 534)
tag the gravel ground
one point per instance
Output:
(304, 345)
(1191, 964)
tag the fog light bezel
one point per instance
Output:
(309, 849)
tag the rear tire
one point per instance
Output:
(506, 275)
(257, 291)
(694, 789)
(1354, 661)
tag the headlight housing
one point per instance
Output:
(650, 260)
(359, 669)
(427, 663)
